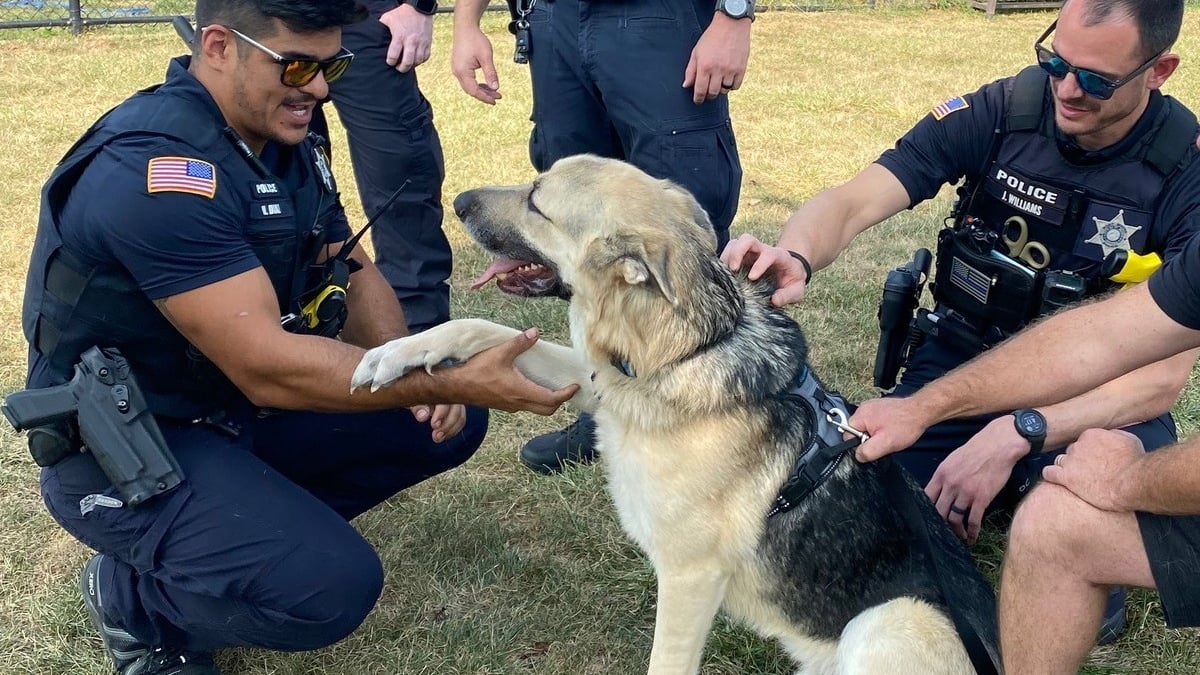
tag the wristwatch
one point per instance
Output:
(423, 6)
(1031, 424)
(737, 9)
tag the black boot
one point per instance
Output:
(129, 655)
(1114, 617)
(549, 453)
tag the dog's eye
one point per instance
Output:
(533, 207)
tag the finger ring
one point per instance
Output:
(727, 85)
(1058, 460)
(959, 510)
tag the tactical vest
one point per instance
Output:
(70, 306)
(1076, 214)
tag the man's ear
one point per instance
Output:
(1161, 70)
(216, 46)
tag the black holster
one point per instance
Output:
(898, 335)
(102, 411)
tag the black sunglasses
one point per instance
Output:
(299, 72)
(1092, 83)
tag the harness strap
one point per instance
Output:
(826, 447)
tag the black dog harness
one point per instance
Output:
(827, 414)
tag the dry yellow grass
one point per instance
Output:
(491, 569)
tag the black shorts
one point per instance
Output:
(1173, 547)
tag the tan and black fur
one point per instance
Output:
(685, 367)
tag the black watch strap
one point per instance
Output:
(1031, 425)
(423, 6)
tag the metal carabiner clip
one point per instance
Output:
(837, 417)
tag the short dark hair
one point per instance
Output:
(1158, 21)
(257, 17)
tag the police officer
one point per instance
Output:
(1063, 165)
(180, 229)
(392, 139)
(1108, 513)
(640, 80)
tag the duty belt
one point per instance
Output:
(827, 413)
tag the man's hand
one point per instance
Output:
(789, 274)
(472, 51)
(491, 379)
(1096, 466)
(446, 419)
(967, 481)
(893, 423)
(412, 37)
(719, 59)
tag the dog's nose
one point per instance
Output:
(463, 204)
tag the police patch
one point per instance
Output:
(946, 107)
(181, 174)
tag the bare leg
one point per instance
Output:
(1063, 555)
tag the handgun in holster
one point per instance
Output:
(897, 334)
(102, 411)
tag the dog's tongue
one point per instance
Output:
(499, 266)
(518, 277)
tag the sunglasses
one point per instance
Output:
(1092, 83)
(299, 72)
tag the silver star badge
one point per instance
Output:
(1112, 235)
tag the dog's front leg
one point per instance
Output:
(550, 365)
(688, 600)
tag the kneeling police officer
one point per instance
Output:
(1072, 161)
(190, 310)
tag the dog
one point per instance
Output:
(690, 374)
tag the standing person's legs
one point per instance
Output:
(389, 126)
(1063, 555)
(569, 118)
(639, 51)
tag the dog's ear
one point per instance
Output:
(646, 267)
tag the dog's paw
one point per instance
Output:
(387, 363)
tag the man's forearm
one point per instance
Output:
(826, 224)
(1166, 481)
(1134, 397)
(467, 13)
(375, 315)
(1059, 358)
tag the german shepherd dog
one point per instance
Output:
(687, 370)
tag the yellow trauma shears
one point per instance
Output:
(1016, 238)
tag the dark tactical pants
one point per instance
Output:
(932, 360)
(255, 548)
(389, 126)
(607, 80)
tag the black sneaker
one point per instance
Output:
(1114, 617)
(129, 655)
(173, 662)
(549, 453)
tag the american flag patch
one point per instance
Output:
(181, 174)
(946, 107)
(975, 283)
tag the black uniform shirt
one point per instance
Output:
(943, 151)
(1176, 287)
(170, 241)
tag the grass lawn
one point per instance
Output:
(492, 569)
